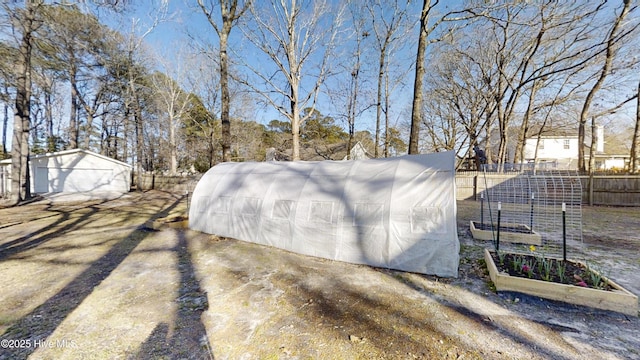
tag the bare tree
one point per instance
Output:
(173, 103)
(538, 48)
(230, 12)
(613, 37)
(457, 86)
(426, 30)
(557, 67)
(298, 39)
(202, 117)
(132, 70)
(531, 57)
(5, 120)
(354, 72)
(389, 23)
(173, 92)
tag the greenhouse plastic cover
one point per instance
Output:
(397, 213)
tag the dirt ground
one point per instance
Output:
(89, 279)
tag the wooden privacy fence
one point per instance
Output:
(175, 183)
(615, 190)
(611, 190)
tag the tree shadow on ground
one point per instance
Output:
(188, 339)
(341, 311)
(338, 309)
(44, 319)
(487, 323)
(42, 235)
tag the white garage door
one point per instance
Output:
(73, 180)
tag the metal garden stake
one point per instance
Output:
(498, 234)
(564, 232)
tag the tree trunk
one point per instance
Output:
(137, 119)
(230, 14)
(125, 137)
(488, 151)
(73, 114)
(592, 148)
(524, 127)
(386, 116)
(88, 126)
(295, 122)
(212, 147)
(137, 123)
(224, 90)
(501, 113)
(635, 140)
(5, 122)
(20, 187)
(48, 115)
(173, 146)
(104, 138)
(353, 103)
(416, 110)
(379, 101)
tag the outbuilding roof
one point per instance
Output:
(73, 151)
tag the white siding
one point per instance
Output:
(552, 148)
(78, 171)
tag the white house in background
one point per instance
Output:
(561, 151)
(358, 152)
(72, 171)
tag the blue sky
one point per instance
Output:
(184, 22)
(187, 22)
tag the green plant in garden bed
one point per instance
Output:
(539, 267)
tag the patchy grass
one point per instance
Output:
(95, 274)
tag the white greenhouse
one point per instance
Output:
(397, 213)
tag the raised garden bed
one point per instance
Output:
(579, 287)
(511, 233)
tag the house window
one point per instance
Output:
(566, 144)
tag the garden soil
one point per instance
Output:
(91, 279)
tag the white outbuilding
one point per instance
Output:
(397, 213)
(74, 171)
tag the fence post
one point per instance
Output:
(475, 187)
(591, 188)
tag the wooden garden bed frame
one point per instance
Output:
(619, 299)
(533, 238)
